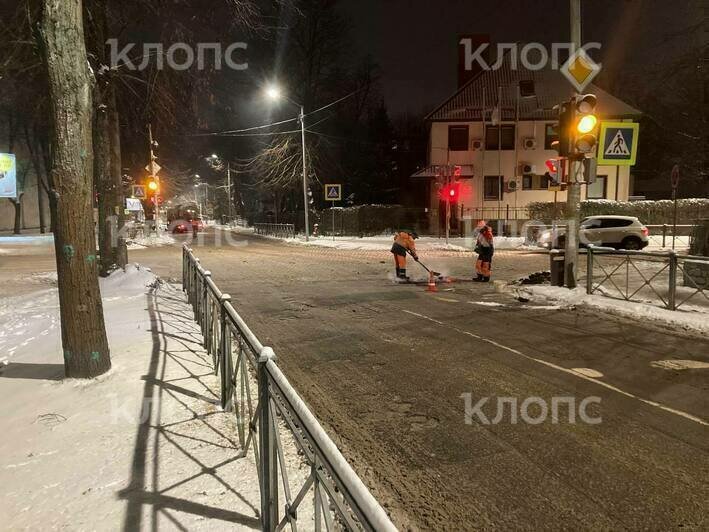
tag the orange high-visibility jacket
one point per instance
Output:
(404, 241)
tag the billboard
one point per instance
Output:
(8, 176)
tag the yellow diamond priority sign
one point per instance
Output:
(580, 69)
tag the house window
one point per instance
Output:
(458, 138)
(597, 190)
(544, 181)
(493, 187)
(551, 134)
(527, 183)
(492, 137)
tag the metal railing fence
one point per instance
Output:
(668, 233)
(644, 276)
(259, 394)
(277, 230)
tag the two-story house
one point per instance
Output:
(499, 128)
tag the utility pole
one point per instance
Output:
(153, 173)
(573, 202)
(228, 188)
(306, 204)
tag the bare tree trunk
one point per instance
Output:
(86, 352)
(38, 170)
(17, 203)
(121, 251)
(103, 181)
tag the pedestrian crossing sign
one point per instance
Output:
(333, 192)
(139, 191)
(618, 143)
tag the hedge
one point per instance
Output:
(658, 212)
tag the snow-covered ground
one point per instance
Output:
(693, 318)
(150, 240)
(145, 446)
(384, 242)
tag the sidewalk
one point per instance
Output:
(145, 446)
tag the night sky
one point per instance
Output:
(415, 41)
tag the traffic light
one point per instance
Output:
(586, 122)
(577, 126)
(450, 192)
(457, 172)
(553, 172)
(153, 185)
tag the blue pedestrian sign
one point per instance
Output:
(139, 191)
(618, 143)
(8, 176)
(333, 192)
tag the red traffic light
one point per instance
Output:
(457, 171)
(450, 192)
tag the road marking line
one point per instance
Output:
(566, 370)
(447, 300)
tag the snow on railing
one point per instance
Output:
(647, 277)
(277, 230)
(258, 393)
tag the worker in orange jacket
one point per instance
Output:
(485, 248)
(403, 243)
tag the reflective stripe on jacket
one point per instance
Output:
(403, 242)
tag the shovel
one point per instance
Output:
(435, 274)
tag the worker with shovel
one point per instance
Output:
(485, 249)
(403, 243)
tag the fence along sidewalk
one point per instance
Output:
(257, 392)
(622, 276)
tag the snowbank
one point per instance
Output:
(693, 321)
(384, 242)
(143, 446)
(151, 240)
(26, 240)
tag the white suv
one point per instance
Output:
(621, 232)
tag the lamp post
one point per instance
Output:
(274, 93)
(216, 159)
(205, 197)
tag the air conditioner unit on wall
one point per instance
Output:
(526, 169)
(476, 144)
(529, 143)
(511, 185)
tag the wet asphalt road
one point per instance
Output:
(385, 367)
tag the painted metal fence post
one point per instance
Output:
(184, 269)
(589, 269)
(204, 296)
(225, 354)
(267, 444)
(664, 234)
(671, 303)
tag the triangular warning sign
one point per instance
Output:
(333, 193)
(618, 146)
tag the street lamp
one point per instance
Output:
(274, 93)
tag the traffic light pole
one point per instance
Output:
(156, 213)
(306, 203)
(573, 202)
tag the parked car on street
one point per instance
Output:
(620, 232)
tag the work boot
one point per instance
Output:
(485, 279)
(478, 279)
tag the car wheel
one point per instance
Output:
(632, 243)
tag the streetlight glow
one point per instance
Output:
(273, 92)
